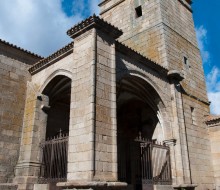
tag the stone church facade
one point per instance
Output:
(123, 106)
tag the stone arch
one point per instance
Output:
(163, 113)
(62, 72)
(58, 90)
(141, 116)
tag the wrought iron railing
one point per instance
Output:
(54, 159)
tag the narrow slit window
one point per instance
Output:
(193, 116)
(185, 61)
(138, 11)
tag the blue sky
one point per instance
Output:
(207, 23)
(40, 26)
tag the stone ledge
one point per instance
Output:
(185, 186)
(92, 184)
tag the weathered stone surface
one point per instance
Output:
(14, 64)
(104, 75)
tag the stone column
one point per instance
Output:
(34, 127)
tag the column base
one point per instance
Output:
(8, 186)
(93, 185)
(185, 187)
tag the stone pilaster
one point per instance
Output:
(92, 142)
(180, 151)
(34, 127)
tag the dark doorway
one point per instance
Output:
(58, 91)
(137, 125)
(135, 121)
(55, 147)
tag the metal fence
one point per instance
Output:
(54, 159)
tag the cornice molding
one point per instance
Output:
(52, 58)
(94, 22)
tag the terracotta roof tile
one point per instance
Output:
(212, 118)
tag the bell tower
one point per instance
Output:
(164, 31)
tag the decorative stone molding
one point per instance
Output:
(175, 75)
(52, 58)
(94, 22)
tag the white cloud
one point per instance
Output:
(214, 97)
(201, 34)
(38, 25)
(213, 78)
(213, 86)
(94, 6)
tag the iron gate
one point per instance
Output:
(144, 163)
(155, 164)
(54, 159)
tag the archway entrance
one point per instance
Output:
(141, 161)
(54, 159)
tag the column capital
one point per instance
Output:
(170, 142)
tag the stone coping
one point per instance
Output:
(50, 59)
(94, 22)
(92, 184)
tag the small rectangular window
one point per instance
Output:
(138, 11)
(186, 62)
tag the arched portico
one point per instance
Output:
(55, 147)
(46, 122)
(140, 116)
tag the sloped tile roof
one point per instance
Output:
(19, 48)
(212, 119)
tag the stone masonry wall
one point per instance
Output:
(14, 76)
(143, 34)
(34, 126)
(214, 133)
(198, 143)
(165, 33)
